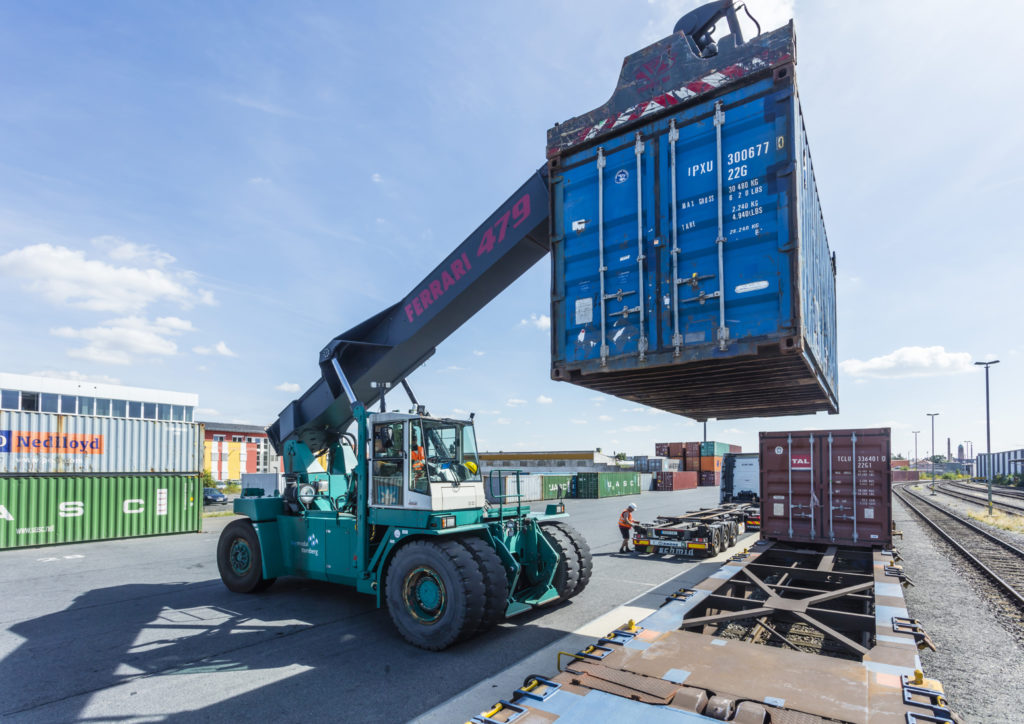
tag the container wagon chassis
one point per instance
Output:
(701, 533)
(782, 633)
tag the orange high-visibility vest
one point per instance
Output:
(626, 519)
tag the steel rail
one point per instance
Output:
(1010, 589)
(982, 501)
(983, 488)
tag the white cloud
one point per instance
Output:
(542, 321)
(460, 411)
(578, 421)
(123, 250)
(544, 399)
(261, 105)
(288, 387)
(260, 181)
(605, 418)
(639, 428)
(220, 348)
(376, 178)
(452, 368)
(515, 402)
(207, 412)
(632, 409)
(77, 377)
(910, 362)
(120, 341)
(479, 352)
(504, 421)
(66, 276)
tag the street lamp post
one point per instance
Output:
(988, 431)
(932, 415)
(915, 448)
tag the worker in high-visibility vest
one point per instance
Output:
(625, 526)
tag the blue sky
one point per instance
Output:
(197, 196)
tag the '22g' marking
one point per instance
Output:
(519, 213)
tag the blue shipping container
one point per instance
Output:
(650, 218)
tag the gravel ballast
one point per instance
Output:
(979, 636)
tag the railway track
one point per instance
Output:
(1000, 490)
(955, 491)
(1000, 561)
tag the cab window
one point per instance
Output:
(388, 463)
(448, 453)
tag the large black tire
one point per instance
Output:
(435, 593)
(239, 559)
(567, 572)
(583, 555)
(495, 580)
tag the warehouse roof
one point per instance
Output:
(234, 427)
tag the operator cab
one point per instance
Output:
(423, 463)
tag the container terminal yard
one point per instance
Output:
(399, 539)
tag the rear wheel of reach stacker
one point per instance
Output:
(567, 572)
(582, 554)
(495, 580)
(435, 593)
(239, 559)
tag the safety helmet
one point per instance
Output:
(632, 506)
(471, 466)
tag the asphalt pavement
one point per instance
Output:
(143, 630)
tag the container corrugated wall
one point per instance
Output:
(607, 485)
(48, 443)
(38, 510)
(704, 313)
(555, 486)
(827, 486)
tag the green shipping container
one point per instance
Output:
(39, 510)
(607, 485)
(550, 485)
(710, 449)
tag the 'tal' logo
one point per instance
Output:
(800, 462)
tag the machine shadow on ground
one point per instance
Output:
(305, 644)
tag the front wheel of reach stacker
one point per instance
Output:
(435, 593)
(239, 560)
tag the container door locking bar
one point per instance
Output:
(723, 331)
(677, 339)
(638, 150)
(601, 268)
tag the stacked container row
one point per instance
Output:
(606, 485)
(676, 481)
